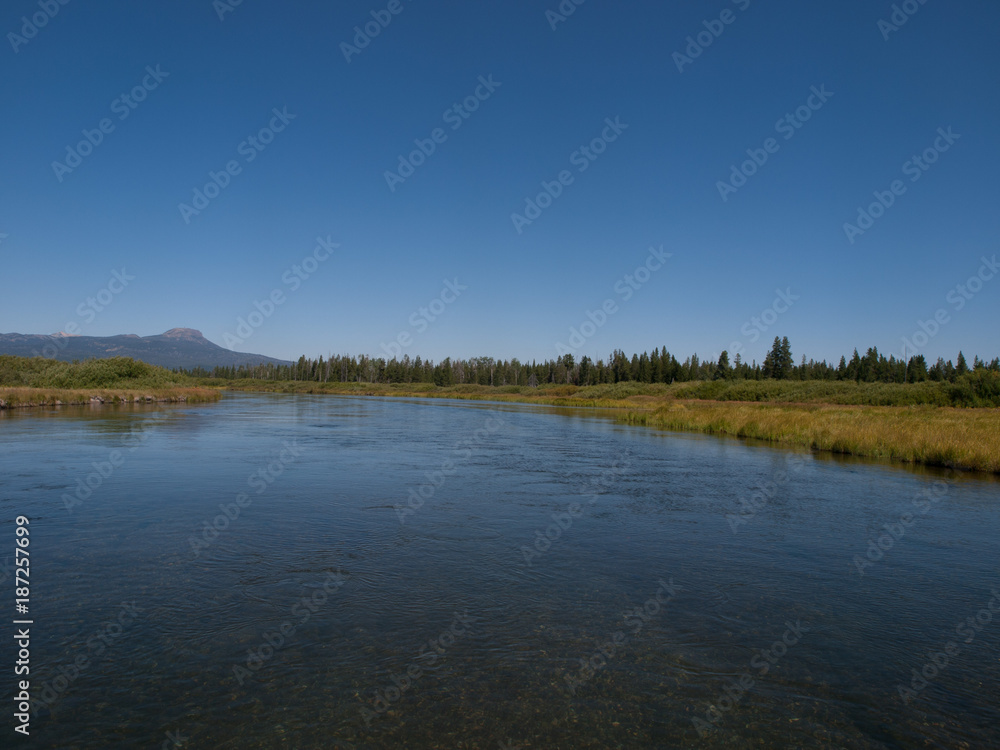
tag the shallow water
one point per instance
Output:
(295, 621)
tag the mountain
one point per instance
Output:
(178, 347)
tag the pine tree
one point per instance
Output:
(722, 370)
(778, 362)
(960, 365)
(644, 371)
(916, 369)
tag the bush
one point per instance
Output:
(114, 372)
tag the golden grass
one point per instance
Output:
(937, 436)
(25, 397)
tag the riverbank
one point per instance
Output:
(958, 438)
(27, 382)
(18, 398)
(932, 435)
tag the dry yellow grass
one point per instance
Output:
(938, 436)
(23, 397)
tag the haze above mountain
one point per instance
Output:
(178, 347)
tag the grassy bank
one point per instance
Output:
(973, 390)
(11, 398)
(937, 436)
(41, 382)
(842, 417)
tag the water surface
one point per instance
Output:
(557, 580)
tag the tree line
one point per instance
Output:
(660, 366)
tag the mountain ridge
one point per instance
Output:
(176, 348)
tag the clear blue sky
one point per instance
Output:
(655, 184)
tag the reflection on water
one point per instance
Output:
(303, 571)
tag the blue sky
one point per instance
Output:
(551, 91)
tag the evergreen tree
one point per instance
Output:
(644, 371)
(778, 362)
(722, 369)
(916, 369)
(960, 366)
(443, 373)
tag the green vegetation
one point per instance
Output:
(974, 389)
(975, 386)
(34, 381)
(980, 388)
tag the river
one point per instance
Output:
(278, 571)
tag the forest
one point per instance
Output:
(660, 366)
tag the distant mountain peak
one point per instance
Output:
(178, 347)
(184, 333)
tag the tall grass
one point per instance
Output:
(956, 438)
